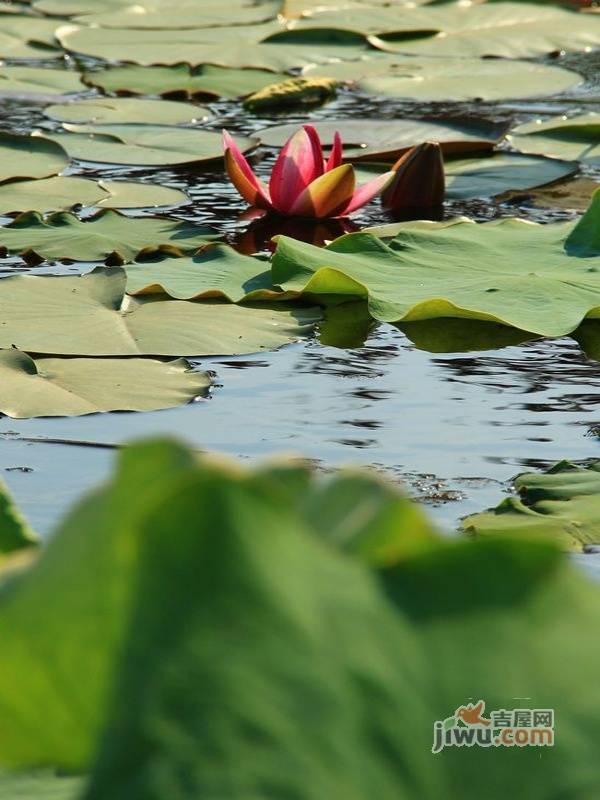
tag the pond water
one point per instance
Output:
(453, 427)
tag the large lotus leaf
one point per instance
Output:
(178, 14)
(181, 79)
(217, 272)
(563, 502)
(67, 8)
(143, 145)
(450, 79)
(39, 785)
(150, 47)
(370, 139)
(23, 82)
(489, 175)
(29, 157)
(62, 193)
(90, 316)
(107, 235)
(511, 30)
(15, 533)
(114, 110)
(69, 387)
(269, 625)
(23, 36)
(576, 138)
(544, 279)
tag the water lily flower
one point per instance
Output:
(303, 182)
(419, 180)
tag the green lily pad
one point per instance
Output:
(24, 36)
(563, 503)
(90, 316)
(577, 138)
(450, 79)
(217, 272)
(29, 157)
(179, 14)
(143, 145)
(544, 279)
(150, 47)
(69, 387)
(182, 79)
(15, 533)
(107, 235)
(373, 140)
(486, 176)
(274, 614)
(573, 195)
(22, 82)
(62, 193)
(507, 29)
(39, 785)
(113, 110)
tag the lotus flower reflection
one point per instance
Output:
(303, 183)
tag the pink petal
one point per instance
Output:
(299, 163)
(317, 148)
(327, 195)
(240, 160)
(251, 188)
(365, 193)
(335, 157)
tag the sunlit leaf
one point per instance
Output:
(115, 110)
(29, 157)
(576, 138)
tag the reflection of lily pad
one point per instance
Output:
(577, 138)
(508, 29)
(62, 193)
(108, 234)
(90, 315)
(181, 79)
(563, 502)
(510, 271)
(114, 110)
(22, 82)
(29, 157)
(450, 79)
(15, 534)
(143, 145)
(448, 335)
(68, 387)
(372, 139)
(488, 176)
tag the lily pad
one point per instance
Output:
(450, 79)
(23, 36)
(24, 82)
(142, 145)
(113, 110)
(372, 140)
(216, 272)
(544, 279)
(577, 138)
(29, 157)
(69, 387)
(562, 503)
(90, 316)
(15, 533)
(510, 30)
(489, 175)
(181, 14)
(107, 235)
(257, 580)
(150, 47)
(63, 193)
(182, 79)
(574, 195)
